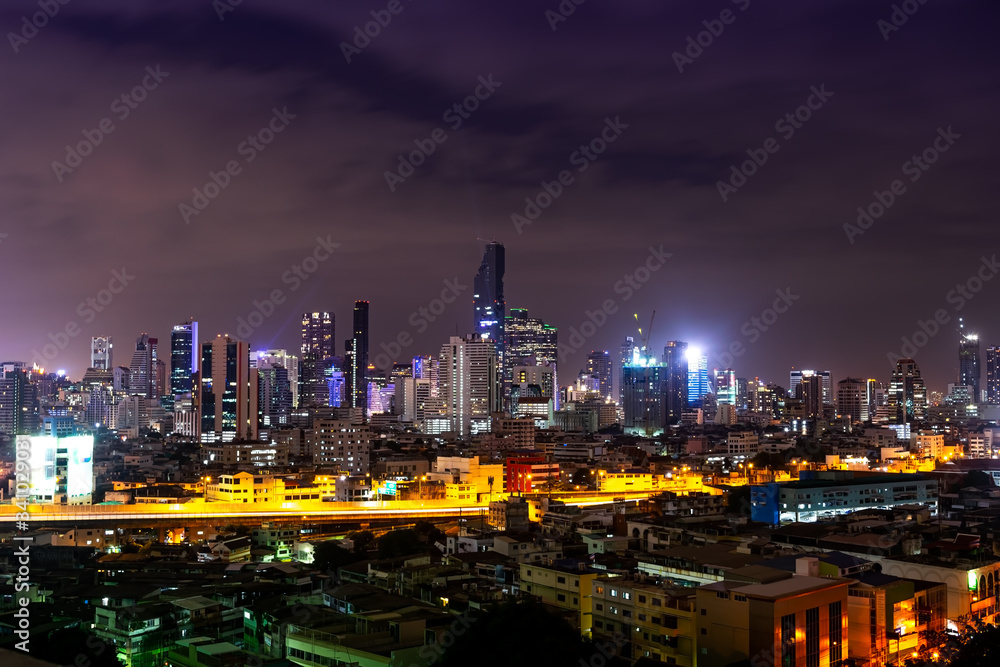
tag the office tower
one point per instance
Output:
(270, 358)
(644, 398)
(992, 375)
(542, 377)
(420, 366)
(852, 400)
(742, 393)
(121, 379)
(101, 353)
(528, 341)
(275, 393)
(468, 383)
(16, 399)
(968, 361)
(359, 357)
(627, 352)
(141, 368)
(826, 383)
(489, 307)
(183, 357)
(875, 394)
(318, 336)
(907, 399)
(599, 367)
(725, 387)
(699, 384)
(229, 391)
(160, 378)
(675, 360)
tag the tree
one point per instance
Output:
(397, 543)
(361, 539)
(329, 556)
(542, 638)
(977, 646)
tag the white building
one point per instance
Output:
(61, 470)
(468, 384)
(342, 444)
(742, 443)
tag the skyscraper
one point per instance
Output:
(468, 384)
(317, 349)
(141, 368)
(907, 400)
(488, 306)
(698, 381)
(359, 357)
(229, 391)
(725, 387)
(183, 357)
(528, 341)
(271, 358)
(826, 383)
(675, 361)
(852, 399)
(968, 361)
(644, 397)
(625, 356)
(100, 353)
(599, 366)
(992, 375)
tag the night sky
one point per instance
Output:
(885, 94)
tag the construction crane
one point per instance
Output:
(644, 337)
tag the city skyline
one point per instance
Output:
(654, 184)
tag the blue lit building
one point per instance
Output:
(699, 382)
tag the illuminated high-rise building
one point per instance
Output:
(528, 341)
(101, 353)
(644, 397)
(317, 348)
(599, 367)
(826, 383)
(725, 387)
(907, 399)
(184, 355)
(675, 360)
(699, 383)
(359, 357)
(264, 359)
(969, 373)
(229, 391)
(993, 375)
(852, 399)
(142, 367)
(468, 384)
(626, 354)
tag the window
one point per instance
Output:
(787, 640)
(812, 637)
(626, 595)
(600, 607)
(642, 598)
(561, 597)
(642, 617)
(527, 573)
(739, 598)
(704, 612)
(613, 610)
(600, 590)
(704, 631)
(599, 624)
(627, 613)
(614, 593)
(560, 580)
(836, 635)
(657, 602)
